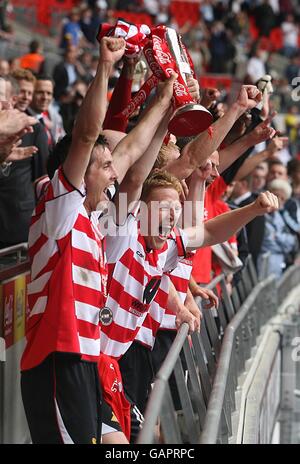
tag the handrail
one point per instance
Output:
(19, 266)
(215, 359)
(13, 249)
(163, 375)
(214, 411)
(289, 280)
(154, 405)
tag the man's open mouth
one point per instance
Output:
(164, 231)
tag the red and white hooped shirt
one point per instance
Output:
(68, 276)
(134, 278)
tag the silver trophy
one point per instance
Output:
(191, 118)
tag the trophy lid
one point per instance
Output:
(190, 120)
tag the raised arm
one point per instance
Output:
(121, 97)
(222, 227)
(133, 181)
(259, 134)
(193, 207)
(196, 151)
(89, 121)
(250, 164)
(135, 144)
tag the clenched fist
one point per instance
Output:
(249, 96)
(266, 202)
(111, 49)
(204, 171)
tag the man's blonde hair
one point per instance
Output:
(23, 74)
(160, 179)
(163, 155)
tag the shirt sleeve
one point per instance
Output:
(62, 204)
(120, 238)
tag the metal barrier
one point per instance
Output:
(200, 355)
(208, 370)
(14, 274)
(264, 266)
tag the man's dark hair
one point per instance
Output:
(274, 162)
(293, 166)
(61, 150)
(247, 179)
(34, 46)
(44, 77)
(183, 141)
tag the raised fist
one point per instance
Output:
(111, 49)
(209, 97)
(249, 96)
(204, 171)
(266, 202)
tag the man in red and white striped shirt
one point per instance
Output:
(60, 384)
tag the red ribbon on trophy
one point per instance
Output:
(164, 52)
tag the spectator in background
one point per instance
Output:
(44, 110)
(87, 26)
(69, 109)
(292, 127)
(221, 48)
(4, 68)
(277, 170)
(256, 66)
(162, 16)
(17, 197)
(34, 59)
(293, 70)
(4, 4)
(265, 18)
(207, 11)
(277, 238)
(242, 196)
(292, 206)
(128, 5)
(71, 32)
(294, 171)
(66, 72)
(14, 64)
(290, 31)
(259, 178)
(86, 64)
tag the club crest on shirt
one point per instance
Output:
(138, 308)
